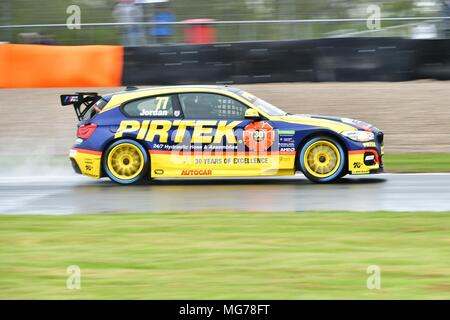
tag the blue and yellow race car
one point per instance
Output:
(213, 131)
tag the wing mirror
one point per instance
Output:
(252, 114)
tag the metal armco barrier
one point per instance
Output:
(337, 59)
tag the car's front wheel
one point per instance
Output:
(322, 159)
(126, 162)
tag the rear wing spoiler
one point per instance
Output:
(81, 101)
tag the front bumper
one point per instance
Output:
(86, 162)
(365, 161)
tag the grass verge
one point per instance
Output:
(226, 255)
(417, 162)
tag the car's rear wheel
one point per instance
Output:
(126, 162)
(322, 159)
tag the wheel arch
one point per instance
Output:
(321, 133)
(113, 140)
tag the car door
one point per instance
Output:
(220, 141)
(150, 120)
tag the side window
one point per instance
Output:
(96, 108)
(161, 106)
(211, 106)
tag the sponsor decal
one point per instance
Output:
(287, 139)
(286, 132)
(159, 130)
(250, 160)
(157, 113)
(357, 165)
(212, 147)
(158, 171)
(205, 135)
(196, 172)
(259, 136)
(231, 160)
(71, 99)
(286, 145)
(209, 160)
(88, 164)
(369, 144)
(360, 171)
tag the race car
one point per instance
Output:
(213, 131)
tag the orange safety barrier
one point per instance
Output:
(43, 66)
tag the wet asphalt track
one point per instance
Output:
(76, 194)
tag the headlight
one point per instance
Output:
(360, 136)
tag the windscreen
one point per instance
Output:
(264, 106)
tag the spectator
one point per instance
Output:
(37, 38)
(162, 33)
(127, 12)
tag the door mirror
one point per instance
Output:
(252, 114)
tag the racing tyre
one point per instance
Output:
(126, 162)
(322, 159)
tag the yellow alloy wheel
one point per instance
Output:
(322, 159)
(125, 161)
